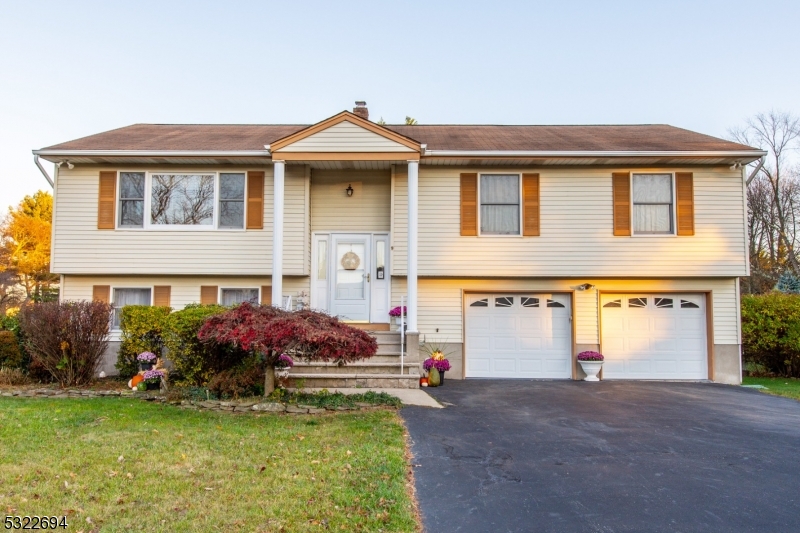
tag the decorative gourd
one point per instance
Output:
(433, 377)
(135, 380)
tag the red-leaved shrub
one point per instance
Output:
(270, 331)
(67, 339)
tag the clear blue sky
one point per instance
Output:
(70, 69)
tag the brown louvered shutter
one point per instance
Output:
(622, 203)
(469, 205)
(161, 295)
(255, 200)
(530, 205)
(101, 293)
(266, 295)
(208, 294)
(107, 200)
(684, 196)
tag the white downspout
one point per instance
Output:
(413, 208)
(43, 171)
(277, 233)
(753, 174)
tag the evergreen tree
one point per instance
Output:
(788, 284)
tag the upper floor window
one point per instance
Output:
(500, 210)
(182, 199)
(652, 204)
(188, 200)
(131, 199)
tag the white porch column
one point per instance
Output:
(413, 206)
(277, 233)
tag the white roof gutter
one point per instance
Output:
(591, 153)
(151, 153)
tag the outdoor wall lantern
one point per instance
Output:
(349, 190)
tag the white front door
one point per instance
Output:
(654, 336)
(518, 335)
(350, 276)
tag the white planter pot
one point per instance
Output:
(282, 373)
(591, 369)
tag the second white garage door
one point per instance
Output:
(654, 336)
(518, 335)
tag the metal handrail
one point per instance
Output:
(402, 333)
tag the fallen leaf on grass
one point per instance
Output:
(262, 468)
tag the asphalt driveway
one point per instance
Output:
(606, 457)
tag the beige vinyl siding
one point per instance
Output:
(576, 230)
(440, 302)
(399, 235)
(369, 209)
(80, 248)
(184, 290)
(345, 137)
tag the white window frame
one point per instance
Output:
(521, 201)
(229, 288)
(147, 225)
(113, 291)
(674, 211)
(118, 200)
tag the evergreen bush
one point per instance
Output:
(771, 332)
(192, 359)
(143, 330)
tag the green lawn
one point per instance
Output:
(789, 387)
(128, 465)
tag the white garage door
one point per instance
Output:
(654, 336)
(518, 336)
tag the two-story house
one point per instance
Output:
(519, 246)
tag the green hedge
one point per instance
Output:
(143, 330)
(169, 334)
(189, 356)
(771, 333)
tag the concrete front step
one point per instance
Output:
(355, 368)
(379, 381)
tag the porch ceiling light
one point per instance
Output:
(349, 190)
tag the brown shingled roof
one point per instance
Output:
(228, 137)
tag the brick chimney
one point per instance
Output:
(361, 109)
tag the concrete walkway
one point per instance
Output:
(416, 397)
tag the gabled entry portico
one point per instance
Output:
(351, 274)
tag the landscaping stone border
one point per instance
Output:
(236, 407)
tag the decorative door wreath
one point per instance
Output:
(350, 261)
